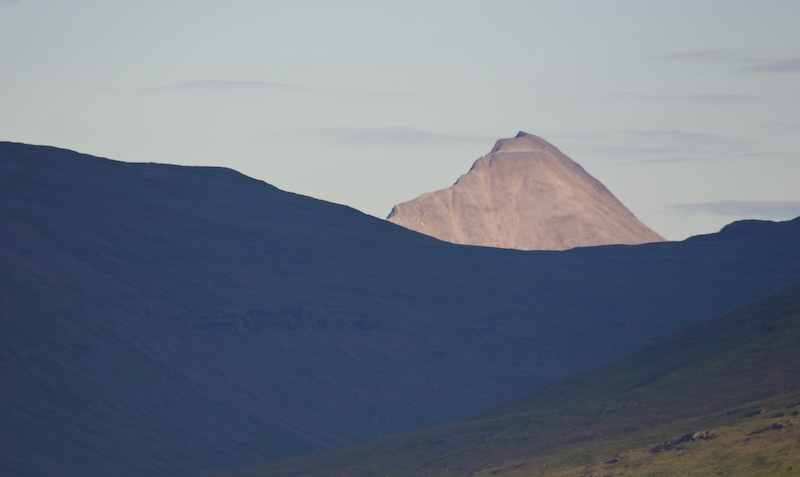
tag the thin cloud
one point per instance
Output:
(746, 63)
(665, 160)
(710, 55)
(695, 139)
(710, 98)
(210, 86)
(783, 127)
(763, 209)
(360, 137)
(780, 66)
(649, 147)
(713, 156)
(686, 145)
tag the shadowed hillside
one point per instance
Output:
(721, 398)
(165, 320)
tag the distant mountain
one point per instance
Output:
(721, 398)
(166, 320)
(525, 194)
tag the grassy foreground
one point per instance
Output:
(762, 438)
(721, 398)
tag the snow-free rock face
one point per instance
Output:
(525, 194)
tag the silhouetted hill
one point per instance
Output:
(721, 398)
(165, 320)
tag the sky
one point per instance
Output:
(688, 111)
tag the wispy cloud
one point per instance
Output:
(209, 86)
(781, 65)
(362, 137)
(658, 145)
(716, 55)
(760, 209)
(783, 127)
(710, 98)
(688, 158)
(694, 139)
(739, 59)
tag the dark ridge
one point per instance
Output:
(165, 320)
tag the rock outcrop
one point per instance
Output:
(525, 194)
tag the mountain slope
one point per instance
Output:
(721, 397)
(525, 194)
(165, 320)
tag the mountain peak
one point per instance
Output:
(528, 195)
(522, 142)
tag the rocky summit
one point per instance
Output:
(525, 194)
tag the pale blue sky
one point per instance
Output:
(686, 110)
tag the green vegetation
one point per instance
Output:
(735, 446)
(721, 398)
